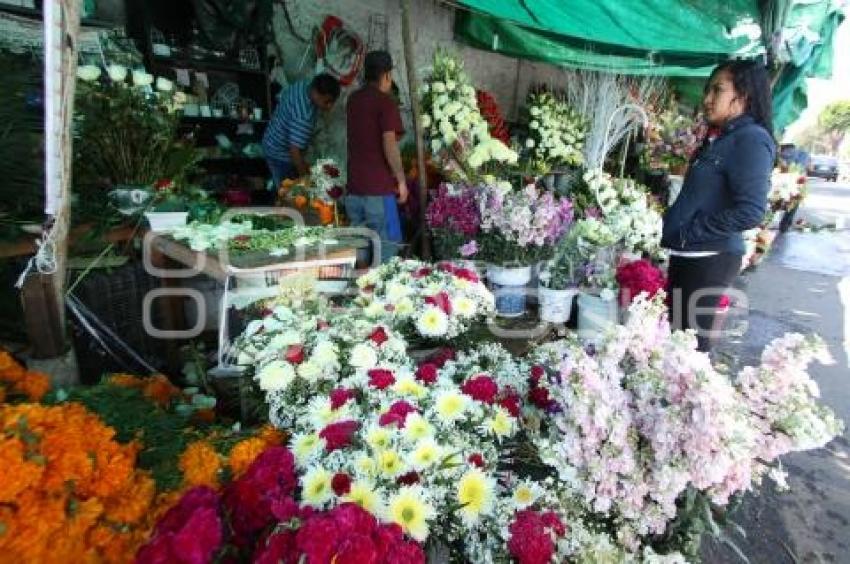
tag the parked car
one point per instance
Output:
(823, 166)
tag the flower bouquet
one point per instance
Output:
(454, 218)
(458, 133)
(555, 133)
(672, 139)
(490, 111)
(424, 302)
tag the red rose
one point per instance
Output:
(408, 479)
(427, 373)
(539, 397)
(476, 460)
(339, 396)
(379, 336)
(442, 301)
(481, 388)
(529, 542)
(537, 372)
(331, 170)
(295, 354)
(338, 435)
(381, 378)
(341, 483)
(511, 403)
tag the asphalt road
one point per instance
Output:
(802, 286)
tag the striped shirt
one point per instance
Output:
(292, 122)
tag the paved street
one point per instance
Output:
(803, 286)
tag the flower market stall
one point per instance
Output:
(519, 396)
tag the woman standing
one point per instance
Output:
(724, 194)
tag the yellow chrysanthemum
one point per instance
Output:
(416, 428)
(404, 307)
(426, 454)
(305, 447)
(365, 465)
(364, 495)
(450, 406)
(378, 438)
(501, 424)
(464, 306)
(411, 512)
(316, 486)
(432, 323)
(390, 464)
(475, 493)
(408, 386)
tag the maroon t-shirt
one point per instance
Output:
(370, 114)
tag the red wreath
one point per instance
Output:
(333, 26)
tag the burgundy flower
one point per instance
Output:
(295, 354)
(537, 372)
(285, 509)
(379, 336)
(441, 357)
(427, 373)
(381, 378)
(553, 522)
(467, 274)
(397, 414)
(539, 397)
(341, 483)
(511, 403)
(338, 435)
(340, 396)
(408, 479)
(388, 418)
(481, 388)
(331, 171)
(442, 301)
(422, 272)
(476, 460)
(335, 192)
(277, 548)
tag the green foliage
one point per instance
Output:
(836, 116)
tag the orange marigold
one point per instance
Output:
(10, 370)
(18, 472)
(159, 389)
(200, 464)
(244, 453)
(133, 502)
(271, 436)
(125, 381)
(33, 384)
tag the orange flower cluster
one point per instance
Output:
(200, 464)
(70, 492)
(158, 388)
(16, 380)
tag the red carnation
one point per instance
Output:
(379, 336)
(381, 378)
(540, 397)
(189, 532)
(277, 548)
(467, 274)
(481, 388)
(295, 354)
(637, 277)
(388, 418)
(537, 372)
(339, 396)
(427, 373)
(511, 403)
(341, 483)
(396, 414)
(408, 479)
(552, 521)
(422, 272)
(476, 460)
(442, 301)
(331, 171)
(530, 542)
(441, 357)
(338, 435)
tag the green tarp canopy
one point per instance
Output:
(675, 38)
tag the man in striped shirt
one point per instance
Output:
(291, 127)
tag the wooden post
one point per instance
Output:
(413, 88)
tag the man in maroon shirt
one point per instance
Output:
(375, 173)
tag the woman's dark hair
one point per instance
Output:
(326, 85)
(751, 80)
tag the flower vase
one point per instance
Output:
(595, 315)
(165, 221)
(555, 305)
(509, 286)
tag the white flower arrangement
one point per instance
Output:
(437, 302)
(457, 131)
(327, 180)
(555, 132)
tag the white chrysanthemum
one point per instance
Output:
(364, 494)
(416, 428)
(475, 494)
(378, 438)
(450, 405)
(306, 447)
(464, 306)
(310, 371)
(396, 292)
(321, 412)
(141, 78)
(316, 487)
(432, 323)
(117, 73)
(501, 424)
(411, 511)
(404, 307)
(525, 494)
(390, 464)
(363, 356)
(408, 386)
(276, 375)
(364, 465)
(325, 354)
(375, 309)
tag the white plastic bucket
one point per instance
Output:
(595, 315)
(555, 305)
(509, 287)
